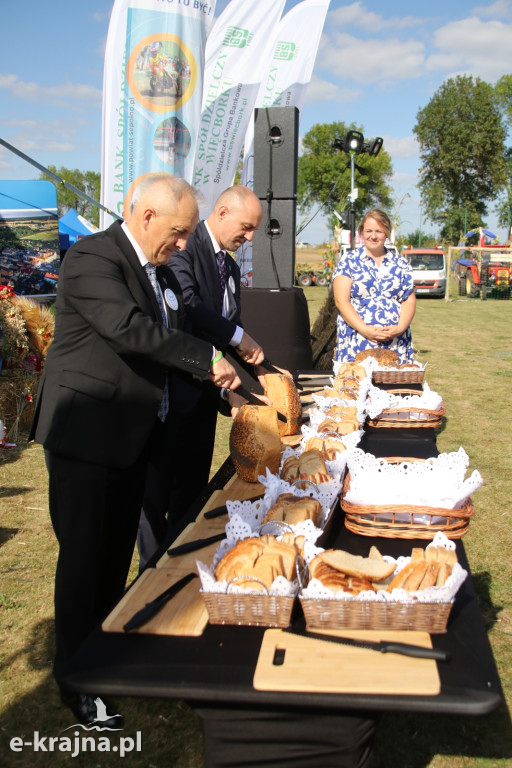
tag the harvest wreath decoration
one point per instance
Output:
(26, 332)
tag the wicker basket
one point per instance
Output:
(399, 376)
(403, 521)
(404, 416)
(359, 614)
(249, 610)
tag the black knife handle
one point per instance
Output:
(191, 546)
(154, 606)
(223, 510)
(412, 650)
(217, 512)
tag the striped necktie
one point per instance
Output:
(151, 273)
(223, 270)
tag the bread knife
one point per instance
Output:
(150, 609)
(251, 398)
(191, 546)
(223, 510)
(384, 646)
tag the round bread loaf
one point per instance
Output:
(284, 396)
(383, 355)
(254, 442)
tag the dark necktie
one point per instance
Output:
(151, 273)
(223, 270)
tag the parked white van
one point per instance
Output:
(428, 270)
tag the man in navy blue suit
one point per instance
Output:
(209, 279)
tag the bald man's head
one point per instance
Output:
(236, 216)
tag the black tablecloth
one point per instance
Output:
(214, 672)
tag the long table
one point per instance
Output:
(214, 670)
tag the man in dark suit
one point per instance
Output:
(103, 406)
(212, 299)
(210, 283)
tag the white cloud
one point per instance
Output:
(371, 61)
(356, 15)
(322, 90)
(30, 91)
(404, 179)
(401, 147)
(501, 9)
(475, 47)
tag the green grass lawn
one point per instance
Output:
(468, 347)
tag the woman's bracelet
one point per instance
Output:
(217, 357)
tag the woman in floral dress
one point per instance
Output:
(374, 293)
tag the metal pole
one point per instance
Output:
(352, 202)
(42, 168)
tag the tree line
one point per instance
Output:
(466, 164)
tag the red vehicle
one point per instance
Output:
(489, 271)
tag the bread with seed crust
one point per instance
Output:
(254, 442)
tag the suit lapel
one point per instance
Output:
(136, 278)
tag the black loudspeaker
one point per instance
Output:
(276, 149)
(273, 246)
(279, 321)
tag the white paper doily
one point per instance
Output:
(379, 400)
(436, 482)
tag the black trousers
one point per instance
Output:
(95, 512)
(176, 476)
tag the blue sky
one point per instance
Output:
(377, 65)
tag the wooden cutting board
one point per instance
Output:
(184, 614)
(318, 666)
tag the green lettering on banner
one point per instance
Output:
(237, 37)
(284, 51)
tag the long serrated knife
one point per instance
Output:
(150, 609)
(384, 646)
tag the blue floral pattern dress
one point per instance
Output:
(376, 295)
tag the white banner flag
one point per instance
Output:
(289, 70)
(152, 90)
(284, 83)
(236, 46)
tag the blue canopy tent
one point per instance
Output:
(73, 226)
